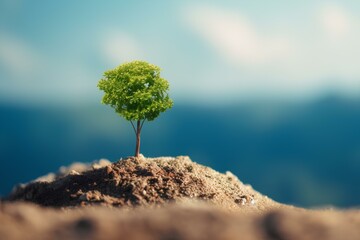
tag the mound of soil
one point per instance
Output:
(159, 198)
(141, 182)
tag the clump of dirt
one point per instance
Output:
(142, 182)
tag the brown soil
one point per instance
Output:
(159, 198)
(142, 182)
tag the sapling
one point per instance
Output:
(137, 92)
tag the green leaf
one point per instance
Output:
(136, 91)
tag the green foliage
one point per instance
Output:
(136, 91)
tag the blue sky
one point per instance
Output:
(210, 51)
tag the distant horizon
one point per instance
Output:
(182, 102)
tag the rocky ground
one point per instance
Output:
(159, 198)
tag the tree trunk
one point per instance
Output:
(138, 131)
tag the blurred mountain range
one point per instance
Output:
(307, 154)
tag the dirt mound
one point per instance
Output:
(195, 202)
(142, 182)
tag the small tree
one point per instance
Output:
(137, 92)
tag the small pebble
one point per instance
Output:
(73, 172)
(83, 197)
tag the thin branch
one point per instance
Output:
(142, 124)
(132, 124)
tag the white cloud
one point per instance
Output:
(120, 47)
(29, 76)
(335, 20)
(17, 57)
(289, 61)
(235, 37)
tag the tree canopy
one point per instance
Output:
(136, 91)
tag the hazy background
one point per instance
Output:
(269, 90)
